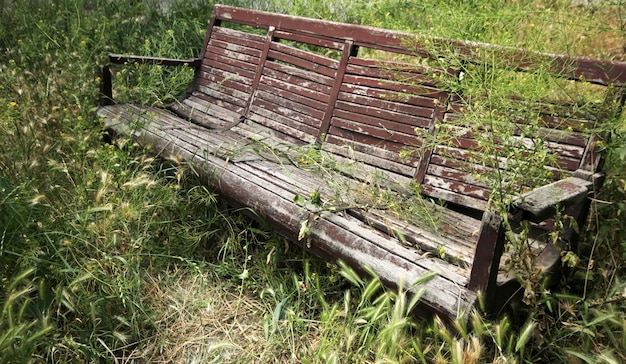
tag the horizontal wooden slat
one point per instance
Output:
(232, 65)
(388, 69)
(391, 75)
(374, 155)
(228, 91)
(564, 136)
(380, 108)
(528, 142)
(231, 96)
(318, 61)
(209, 114)
(294, 76)
(301, 63)
(227, 76)
(237, 36)
(395, 178)
(232, 57)
(472, 161)
(433, 191)
(273, 138)
(314, 39)
(296, 86)
(463, 176)
(401, 98)
(293, 125)
(387, 120)
(566, 162)
(557, 133)
(457, 187)
(237, 41)
(283, 114)
(389, 88)
(365, 139)
(293, 93)
(286, 106)
(576, 124)
(379, 132)
(235, 47)
(456, 248)
(569, 119)
(299, 73)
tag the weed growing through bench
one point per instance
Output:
(503, 128)
(343, 184)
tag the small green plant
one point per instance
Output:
(25, 328)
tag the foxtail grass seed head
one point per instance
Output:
(37, 199)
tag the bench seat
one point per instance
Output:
(269, 187)
(398, 249)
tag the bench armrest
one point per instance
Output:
(123, 58)
(541, 203)
(106, 87)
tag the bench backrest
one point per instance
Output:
(307, 80)
(461, 170)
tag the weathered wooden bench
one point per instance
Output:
(331, 132)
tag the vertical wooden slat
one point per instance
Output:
(259, 71)
(214, 22)
(440, 109)
(438, 113)
(349, 50)
(591, 160)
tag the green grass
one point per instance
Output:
(109, 255)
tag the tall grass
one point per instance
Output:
(109, 255)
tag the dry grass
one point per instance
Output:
(202, 320)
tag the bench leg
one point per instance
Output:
(489, 249)
(106, 87)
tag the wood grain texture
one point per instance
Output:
(269, 188)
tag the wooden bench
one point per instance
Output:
(330, 132)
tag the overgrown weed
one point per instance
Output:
(106, 254)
